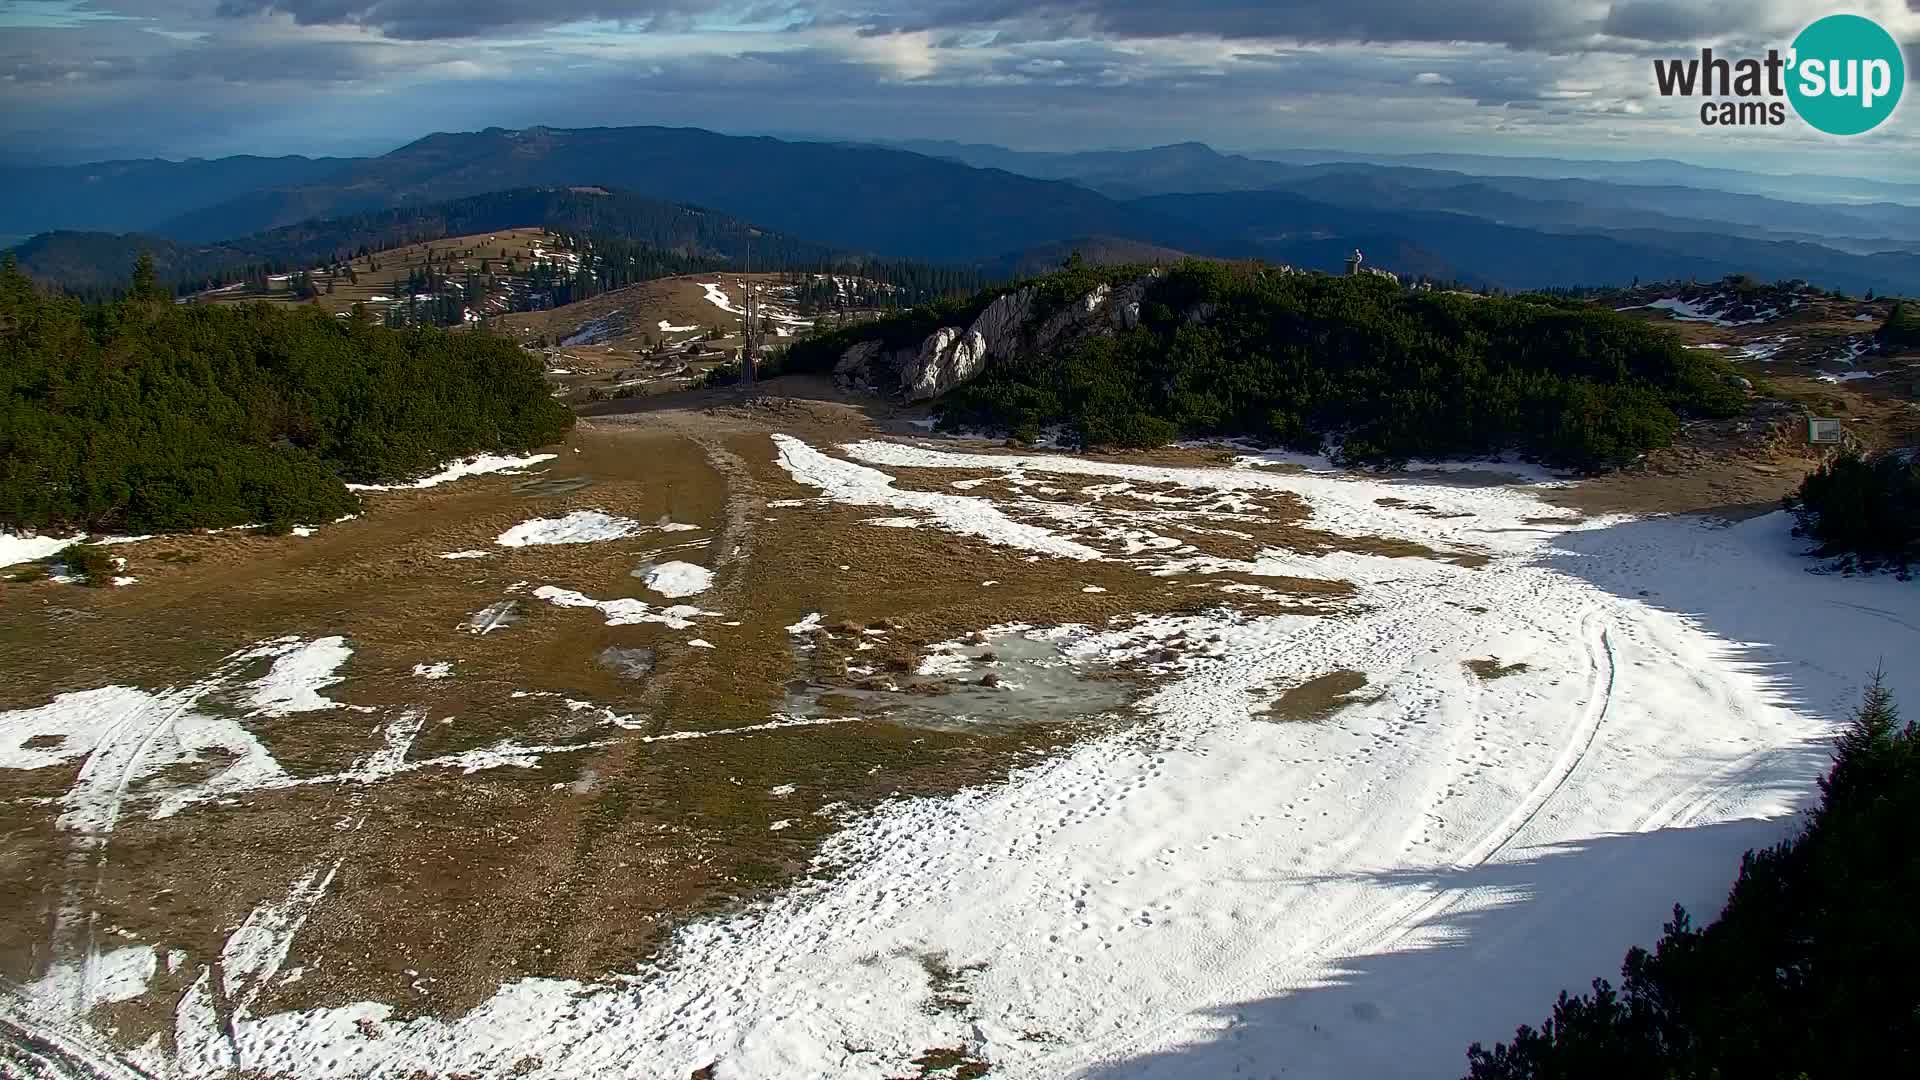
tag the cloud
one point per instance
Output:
(416, 20)
(300, 74)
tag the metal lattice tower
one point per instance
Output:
(748, 375)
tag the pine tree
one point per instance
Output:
(1862, 747)
(146, 286)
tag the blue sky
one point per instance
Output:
(89, 79)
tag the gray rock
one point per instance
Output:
(1123, 307)
(857, 357)
(1058, 323)
(950, 356)
(628, 663)
(1001, 326)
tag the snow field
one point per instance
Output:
(1211, 891)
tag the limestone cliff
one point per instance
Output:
(1009, 327)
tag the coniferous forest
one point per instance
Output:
(1355, 365)
(1863, 511)
(141, 415)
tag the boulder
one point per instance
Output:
(855, 366)
(856, 358)
(950, 356)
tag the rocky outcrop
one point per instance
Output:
(1004, 330)
(855, 360)
(949, 357)
(1058, 323)
(1123, 307)
(1003, 324)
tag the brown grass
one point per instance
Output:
(470, 880)
(396, 264)
(1318, 698)
(1490, 668)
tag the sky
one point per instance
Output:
(95, 79)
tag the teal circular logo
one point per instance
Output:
(1846, 74)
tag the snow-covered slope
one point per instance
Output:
(1215, 892)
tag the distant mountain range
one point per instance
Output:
(861, 198)
(999, 209)
(1567, 202)
(1652, 172)
(131, 196)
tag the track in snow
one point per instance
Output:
(1603, 670)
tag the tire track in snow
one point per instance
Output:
(1382, 925)
(75, 919)
(1395, 625)
(34, 1048)
(1603, 671)
(1877, 612)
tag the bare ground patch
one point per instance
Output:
(1490, 668)
(1318, 698)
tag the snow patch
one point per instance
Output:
(300, 670)
(677, 579)
(579, 527)
(473, 466)
(625, 611)
(858, 485)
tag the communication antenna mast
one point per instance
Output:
(748, 375)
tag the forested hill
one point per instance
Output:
(681, 238)
(143, 415)
(1358, 366)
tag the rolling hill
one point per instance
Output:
(1285, 227)
(1514, 232)
(81, 261)
(123, 196)
(860, 198)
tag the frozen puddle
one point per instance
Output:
(1013, 676)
